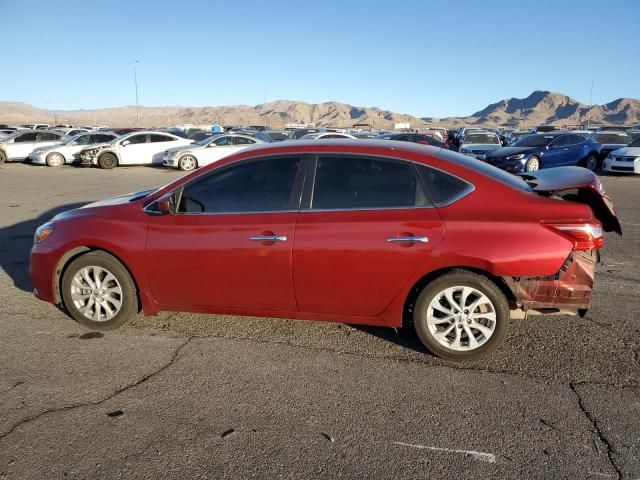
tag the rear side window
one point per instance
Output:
(245, 141)
(155, 138)
(48, 136)
(26, 137)
(442, 187)
(364, 183)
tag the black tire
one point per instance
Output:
(107, 161)
(591, 163)
(187, 163)
(51, 157)
(533, 164)
(3, 157)
(480, 283)
(128, 298)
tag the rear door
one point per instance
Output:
(366, 227)
(158, 143)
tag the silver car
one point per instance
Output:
(20, 145)
(478, 144)
(69, 150)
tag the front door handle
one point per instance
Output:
(269, 238)
(408, 239)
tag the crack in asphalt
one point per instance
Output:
(117, 392)
(596, 429)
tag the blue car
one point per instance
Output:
(546, 150)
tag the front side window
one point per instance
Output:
(258, 186)
(136, 139)
(222, 141)
(81, 140)
(561, 141)
(363, 183)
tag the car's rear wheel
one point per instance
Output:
(55, 160)
(107, 161)
(98, 291)
(591, 162)
(3, 157)
(461, 316)
(532, 165)
(187, 162)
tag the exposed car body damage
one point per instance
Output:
(569, 289)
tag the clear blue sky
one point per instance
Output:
(419, 57)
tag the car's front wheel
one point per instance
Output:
(461, 316)
(98, 291)
(187, 163)
(591, 162)
(55, 160)
(532, 165)
(107, 161)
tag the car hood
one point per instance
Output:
(89, 209)
(627, 152)
(508, 151)
(579, 185)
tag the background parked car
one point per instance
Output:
(611, 140)
(478, 144)
(69, 150)
(546, 150)
(207, 151)
(199, 135)
(326, 135)
(137, 148)
(301, 132)
(20, 144)
(414, 138)
(70, 131)
(34, 126)
(624, 160)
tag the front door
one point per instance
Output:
(367, 229)
(230, 243)
(135, 150)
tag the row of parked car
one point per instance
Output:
(613, 151)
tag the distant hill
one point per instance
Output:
(539, 108)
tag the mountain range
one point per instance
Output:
(539, 108)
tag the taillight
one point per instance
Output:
(584, 236)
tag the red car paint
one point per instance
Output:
(337, 265)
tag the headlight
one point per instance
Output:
(518, 156)
(42, 233)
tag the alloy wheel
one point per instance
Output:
(55, 160)
(461, 318)
(96, 293)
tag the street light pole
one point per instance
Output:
(590, 105)
(135, 81)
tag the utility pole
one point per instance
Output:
(135, 81)
(590, 105)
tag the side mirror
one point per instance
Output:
(167, 204)
(125, 143)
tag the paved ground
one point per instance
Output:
(189, 396)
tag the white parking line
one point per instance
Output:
(482, 456)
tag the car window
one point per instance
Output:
(576, 139)
(156, 138)
(137, 139)
(82, 140)
(26, 137)
(442, 187)
(357, 183)
(258, 186)
(561, 141)
(245, 141)
(401, 138)
(101, 138)
(48, 136)
(225, 140)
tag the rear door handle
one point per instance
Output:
(409, 239)
(269, 238)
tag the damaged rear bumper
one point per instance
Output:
(568, 289)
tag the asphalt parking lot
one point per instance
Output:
(191, 396)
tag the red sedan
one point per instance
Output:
(353, 231)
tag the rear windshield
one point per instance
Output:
(619, 138)
(486, 169)
(481, 138)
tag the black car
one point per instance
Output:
(413, 137)
(546, 150)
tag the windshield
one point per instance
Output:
(617, 138)
(482, 138)
(534, 141)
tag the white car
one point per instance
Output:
(20, 144)
(624, 160)
(69, 150)
(478, 144)
(135, 148)
(208, 151)
(70, 132)
(325, 135)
